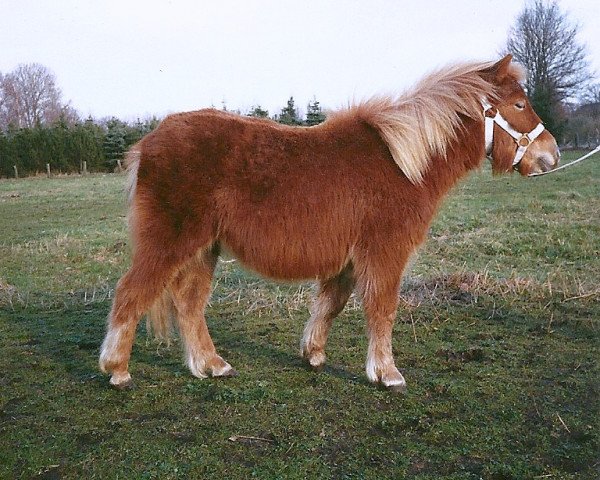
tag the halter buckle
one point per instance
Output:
(524, 141)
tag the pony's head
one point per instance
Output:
(515, 136)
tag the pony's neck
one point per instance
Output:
(464, 154)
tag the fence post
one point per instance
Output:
(84, 170)
(16, 171)
(48, 170)
(120, 165)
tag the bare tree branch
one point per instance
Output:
(592, 94)
(545, 42)
(29, 97)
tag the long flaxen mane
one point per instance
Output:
(421, 122)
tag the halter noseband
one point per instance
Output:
(523, 140)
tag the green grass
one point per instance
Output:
(497, 337)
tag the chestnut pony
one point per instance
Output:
(346, 203)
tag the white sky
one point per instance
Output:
(136, 58)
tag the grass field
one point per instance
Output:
(497, 336)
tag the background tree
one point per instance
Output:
(8, 103)
(289, 114)
(134, 132)
(29, 97)
(592, 95)
(3, 104)
(37, 128)
(88, 145)
(314, 114)
(583, 128)
(544, 40)
(258, 112)
(115, 141)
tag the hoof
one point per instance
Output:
(316, 368)
(126, 385)
(388, 378)
(121, 381)
(123, 386)
(222, 369)
(315, 361)
(399, 388)
(396, 384)
(229, 373)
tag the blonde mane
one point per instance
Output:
(421, 122)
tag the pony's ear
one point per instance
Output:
(498, 72)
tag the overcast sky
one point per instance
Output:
(136, 58)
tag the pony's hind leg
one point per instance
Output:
(190, 291)
(159, 252)
(329, 302)
(136, 291)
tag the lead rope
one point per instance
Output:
(589, 154)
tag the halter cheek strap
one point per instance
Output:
(523, 140)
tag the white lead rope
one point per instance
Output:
(589, 154)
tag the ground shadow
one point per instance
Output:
(71, 337)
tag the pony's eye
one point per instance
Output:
(520, 105)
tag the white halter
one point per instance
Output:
(523, 140)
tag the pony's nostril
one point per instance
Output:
(546, 161)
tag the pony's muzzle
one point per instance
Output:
(547, 161)
(545, 156)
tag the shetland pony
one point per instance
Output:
(346, 203)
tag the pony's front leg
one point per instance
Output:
(380, 304)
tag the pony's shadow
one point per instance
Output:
(71, 337)
(238, 344)
(68, 336)
(51, 334)
(284, 358)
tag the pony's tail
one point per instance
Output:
(160, 318)
(132, 164)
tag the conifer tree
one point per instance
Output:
(115, 143)
(289, 114)
(258, 112)
(314, 114)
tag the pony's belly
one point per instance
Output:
(288, 234)
(286, 262)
